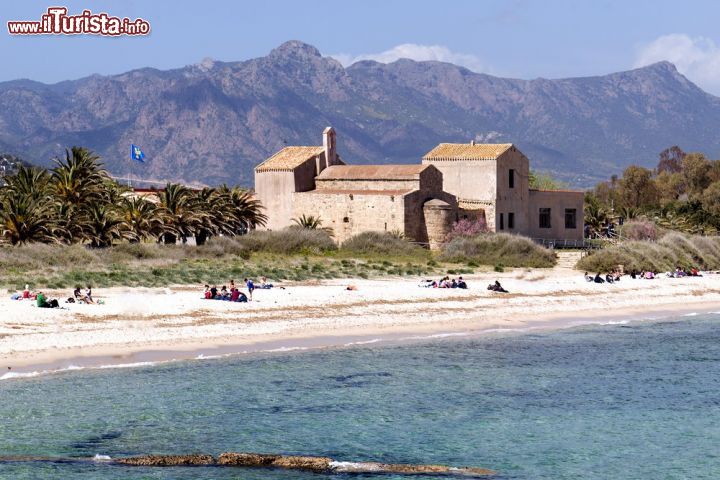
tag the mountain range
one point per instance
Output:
(212, 122)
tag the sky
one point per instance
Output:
(511, 38)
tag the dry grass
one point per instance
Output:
(499, 249)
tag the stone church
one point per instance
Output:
(423, 201)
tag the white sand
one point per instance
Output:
(178, 319)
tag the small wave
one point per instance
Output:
(353, 466)
(693, 314)
(284, 349)
(437, 335)
(363, 342)
(10, 375)
(101, 458)
(132, 365)
(209, 357)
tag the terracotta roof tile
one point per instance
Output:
(467, 151)
(288, 158)
(372, 172)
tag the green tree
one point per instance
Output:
(544, 181)
(711, 199)
(695, 169)
(637, 188)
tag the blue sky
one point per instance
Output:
(517, 38)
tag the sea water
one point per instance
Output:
(640, 400)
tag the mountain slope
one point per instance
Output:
(212, 122)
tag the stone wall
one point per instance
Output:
(415, 226)
(372, 185)
(350, 214)
(439, 218)
(557, 202)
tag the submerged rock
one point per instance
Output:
(407, 469)
(294, 462)
(167, 460)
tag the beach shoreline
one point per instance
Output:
(142, 326)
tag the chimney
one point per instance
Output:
(329, 146)
(472, 142)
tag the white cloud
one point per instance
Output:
(697, 58)
(419, 53)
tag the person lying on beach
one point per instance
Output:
(264, 284)
(649, 275)
(351, 287)
(428, 284)
(43, 302)
(598, 278)
(496, 287)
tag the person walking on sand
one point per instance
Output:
(250, 286)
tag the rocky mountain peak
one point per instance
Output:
(295, 49)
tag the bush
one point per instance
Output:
(666, 254)
(380, 243)
(639, 230)
(467, 228)
(498, 248)
(288, 240)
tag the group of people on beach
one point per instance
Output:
(42, 301)
(233, 294)
(614, 276)
(445, 282)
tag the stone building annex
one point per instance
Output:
(453, 181)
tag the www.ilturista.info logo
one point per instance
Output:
(57, 22)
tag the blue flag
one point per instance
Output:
(137, 154)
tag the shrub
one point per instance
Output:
(467, 228)
(641, 229)
(496, 248)
(381, 243)
(288, 240)
(666, 254)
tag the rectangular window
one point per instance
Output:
(545, 218)
(511, 221)
(502, 222)
(570, 218)
(511, 178)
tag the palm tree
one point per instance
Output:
(25, 220)
(310, 222)
(180, 213)
(141, 219)
(101, 225)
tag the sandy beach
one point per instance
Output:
(144, 324)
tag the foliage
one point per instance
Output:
(544, 181)
(671, 251)
(382, 243)
(639, 229)
(78, 202)
(466, 227)
(289, 240)
(496, 248)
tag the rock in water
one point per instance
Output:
(167, 460)
(294, 462)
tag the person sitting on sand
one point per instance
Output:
(213, 292)
(633, 274)
(609, 278)
(264, 284)
(598, 278)
(694, 272)
(461, 283)
(649, 275)
(43, 302)
(679, 273)
(616, 275)
(588, 278)
(207, 294)
(88, 295)
(453, 283)
(77, 294)
(26, 292)
(224, 295)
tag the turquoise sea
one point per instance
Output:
(633, 401)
